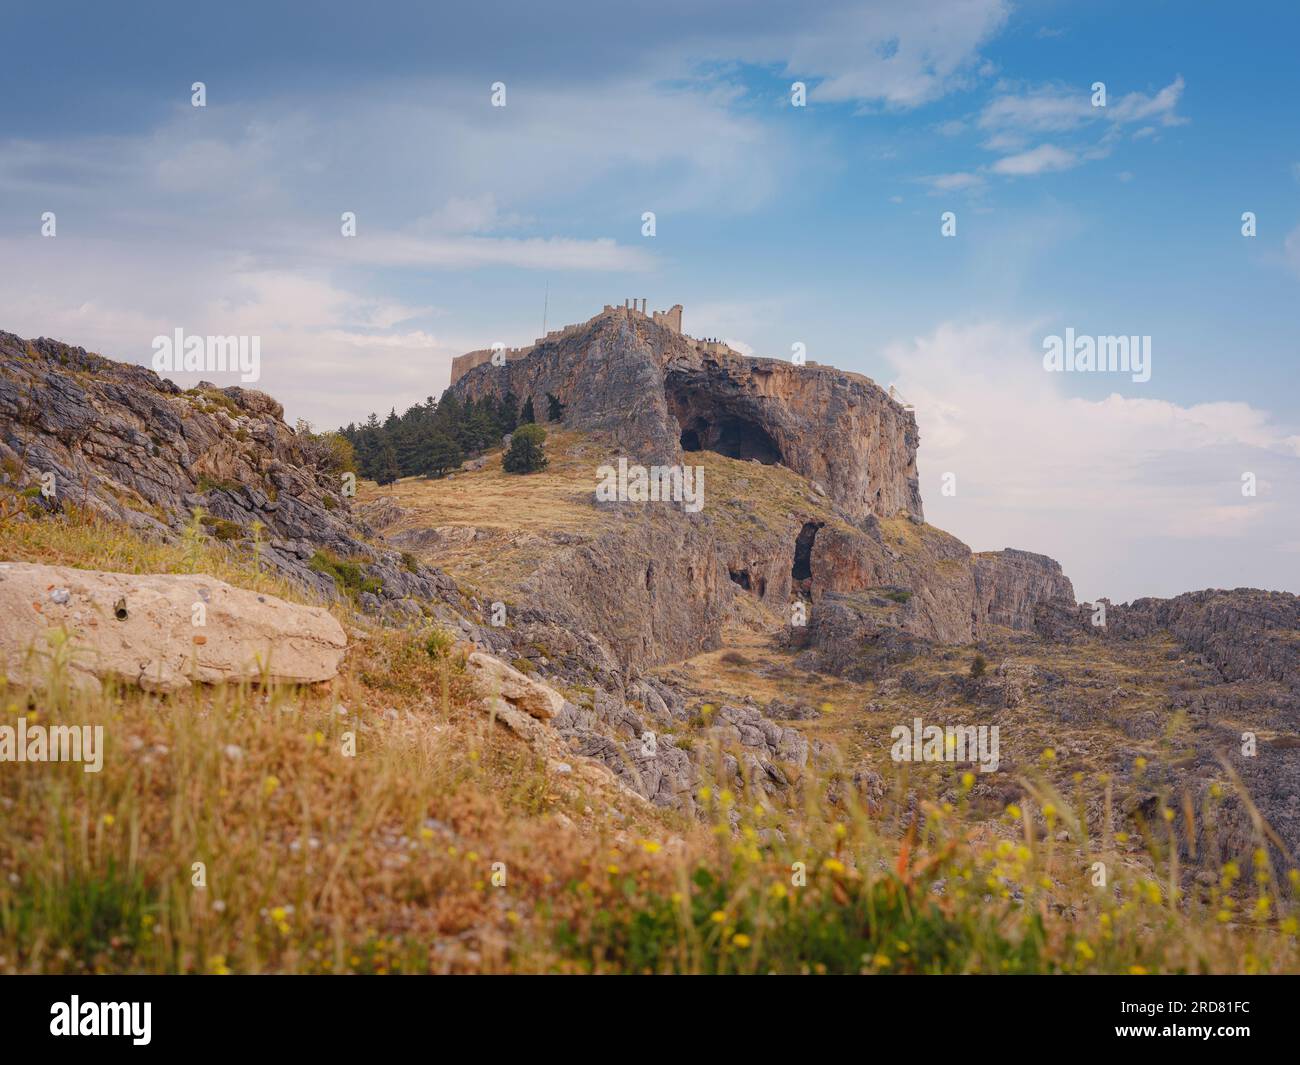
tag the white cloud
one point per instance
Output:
(227, 221)
(1043, 159)
(1056, 108)
(896, 53)
(534, 253)
(1043, 110)
(1161, 107)
(956, 182)
(1134, 496)
(1013, 119)
(329, 353)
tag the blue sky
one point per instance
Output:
(775, 224)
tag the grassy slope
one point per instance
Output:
(515, 516)
(317, 862)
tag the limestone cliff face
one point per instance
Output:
(835, 428)
(657, 393)
(1021, 590)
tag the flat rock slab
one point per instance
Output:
(159, 631)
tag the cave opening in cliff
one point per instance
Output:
(738, 438)
(710, 422)
(734, 437)
(801, 571)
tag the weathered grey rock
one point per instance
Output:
(654, 589)
(1245, 633)
(129, 445)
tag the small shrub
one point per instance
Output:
(438, 644)
(979, 664)
(329, 452)
(349, 576)
(223, 530)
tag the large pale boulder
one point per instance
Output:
(501, 679)
(160, 631)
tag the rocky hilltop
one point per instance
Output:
(658, 393)
(646, 391)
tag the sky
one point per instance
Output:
(775, 224)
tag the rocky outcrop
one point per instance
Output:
(656, 396)
(654, 588)
(1021, 590)
(881, 591)
(1245, 633)
(657, 393)
(124, 443)
(161, 632)
(637, 734)
(505, 682)
(661, 745)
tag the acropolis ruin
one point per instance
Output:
(633, 308)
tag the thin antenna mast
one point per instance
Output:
(546, 306)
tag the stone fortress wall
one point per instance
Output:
(633, 308)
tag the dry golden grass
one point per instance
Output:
(317, 861)
(513, 515)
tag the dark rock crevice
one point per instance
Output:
(801, 570)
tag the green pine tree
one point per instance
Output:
(441, 454)
(507, 414)
(386, 468)
(526, 454)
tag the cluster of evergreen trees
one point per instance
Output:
(436, 436)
